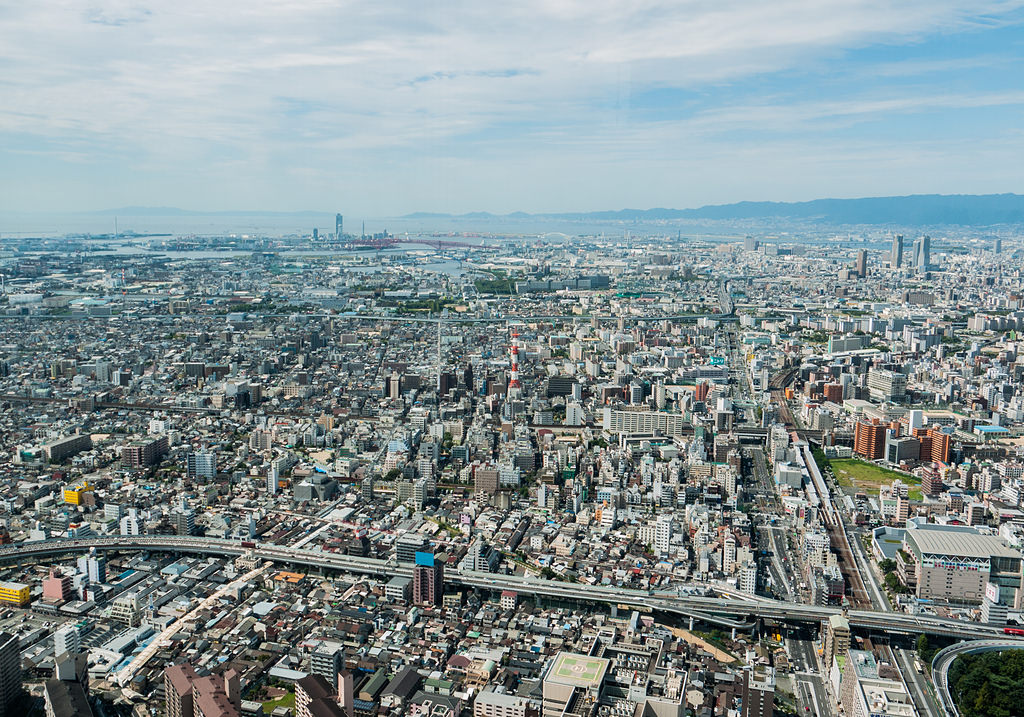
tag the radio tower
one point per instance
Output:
(515, 389)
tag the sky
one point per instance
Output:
(383, 108)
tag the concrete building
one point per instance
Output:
(141, 454)
(864, 692)
(201, 465)
(315, 697)
(837, 639)
(758, 691)
(499, 703)
(869, 439)
(954, 563)
(66, 447)
(645, 422)
(10, 672)
(886, 385)
(427, 580)
(573, 684)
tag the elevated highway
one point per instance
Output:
(731, 612)
(944, 658)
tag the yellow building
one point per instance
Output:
(14, 593)
(73, 496)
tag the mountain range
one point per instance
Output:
(912, 210)
(918, 209)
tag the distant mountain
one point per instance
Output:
(917, 209)
(178, 212)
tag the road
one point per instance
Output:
(946, 657)
(917, 684)
(811, 694)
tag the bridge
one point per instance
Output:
(389, 242)
(736, 610)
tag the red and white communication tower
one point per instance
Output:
(515, 389)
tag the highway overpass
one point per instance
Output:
(731, 611)
(944, 658)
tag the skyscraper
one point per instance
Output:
(922, 253)
(339, 226)
(896, 256)
(861, 266)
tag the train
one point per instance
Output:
(1014, 631)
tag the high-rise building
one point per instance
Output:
(837, 639)
(886, 385)
(339, 226)
(184, 521)
(394, 385)
(427, 580)
(869, 439)
(935, 445)
(896, 255)
(758, 691)
(132, 524)
(861, 265)
(189, 695)
(922, 253)
(272, 479)
(94, 567)
(66, 639)
(573, 682)
(315, 697)
(10, 672)
(327, 660)
(201, 465)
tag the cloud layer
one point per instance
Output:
(383, 108)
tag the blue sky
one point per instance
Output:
(380, 109)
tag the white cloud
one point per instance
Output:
(312, 87)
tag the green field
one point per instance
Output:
(867, 477)
(287, 700)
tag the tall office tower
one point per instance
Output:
(339, 226)
(272, 479)
(922, 253)
(749, 244)
(997, 246)
(861, 266)
(896, 256)
(10, 672)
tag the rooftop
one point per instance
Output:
(966, 543)
(578, 670)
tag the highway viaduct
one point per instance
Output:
(733, 611)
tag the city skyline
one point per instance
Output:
(535, 108)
